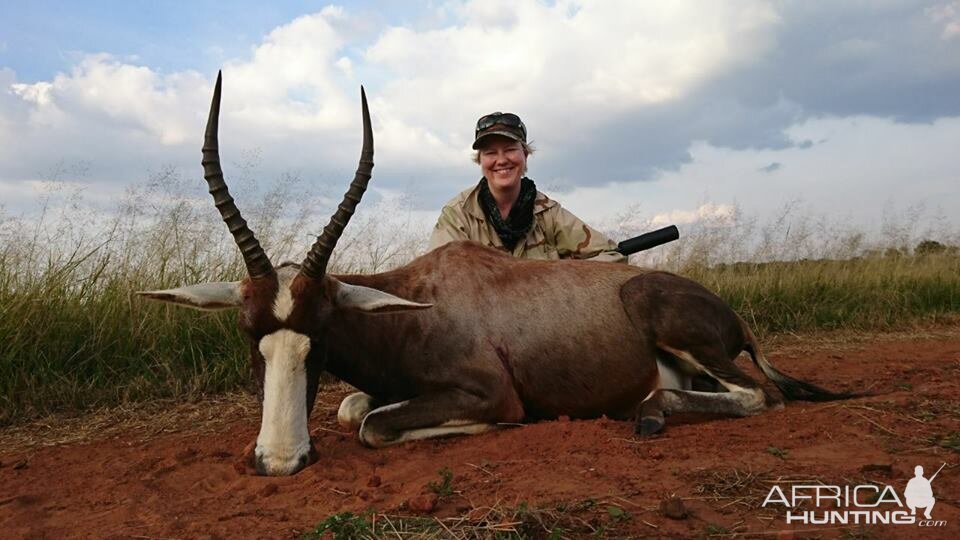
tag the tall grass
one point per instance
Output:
(871, 293)
(800, 271)
(73, 336)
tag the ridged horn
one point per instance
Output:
(315, 264)
(258, 265)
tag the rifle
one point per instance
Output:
(648, 240)
(936, 473)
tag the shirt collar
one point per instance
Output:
(471, 203)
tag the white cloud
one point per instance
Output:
(103, 89)
(288, 96)
(102, 94)
(569, 65)
(948, 16)
(709, 212)
(858, 169)
(292, 81)
(38, 93)
(704, 97)
(345, 65)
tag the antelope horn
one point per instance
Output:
(258, 265)
(315, 264)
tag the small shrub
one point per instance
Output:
(344, 526)
(443, 488)
(929, 247)
(778, 452)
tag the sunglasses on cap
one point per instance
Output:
(507, 119)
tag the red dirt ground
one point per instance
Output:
(193, 485)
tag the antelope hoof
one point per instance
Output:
(648, 425)
(353, 409)
(372, 438)
(287, 466)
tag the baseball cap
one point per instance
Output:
(498, 123)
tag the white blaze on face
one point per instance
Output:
(283, 303)
(284, 440)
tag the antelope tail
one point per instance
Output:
(792, 389)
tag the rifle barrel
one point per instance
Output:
(648, 240)
(936, 473)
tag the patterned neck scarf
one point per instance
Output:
(518, 223)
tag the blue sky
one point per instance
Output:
(674, 111)
(44, 37)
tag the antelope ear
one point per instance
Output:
(204, 296)
(369, 299)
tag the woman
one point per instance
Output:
(505, 210)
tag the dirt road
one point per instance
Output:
(577, 478)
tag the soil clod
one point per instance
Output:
(673, 508)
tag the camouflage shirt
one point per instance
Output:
(556, 233)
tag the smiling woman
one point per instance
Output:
(505, 211)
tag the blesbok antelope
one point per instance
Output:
(465, 337)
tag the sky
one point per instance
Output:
(672, 112)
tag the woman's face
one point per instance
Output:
(503, 163)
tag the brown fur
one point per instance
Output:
(496, 330)
(508, 340)
(466, 337)
(512, 339)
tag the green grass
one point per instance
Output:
(950, 441)
(873, 293)
(777, 452)
(711, 529)
(74, 337)
(346, 526)
(443, 488)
